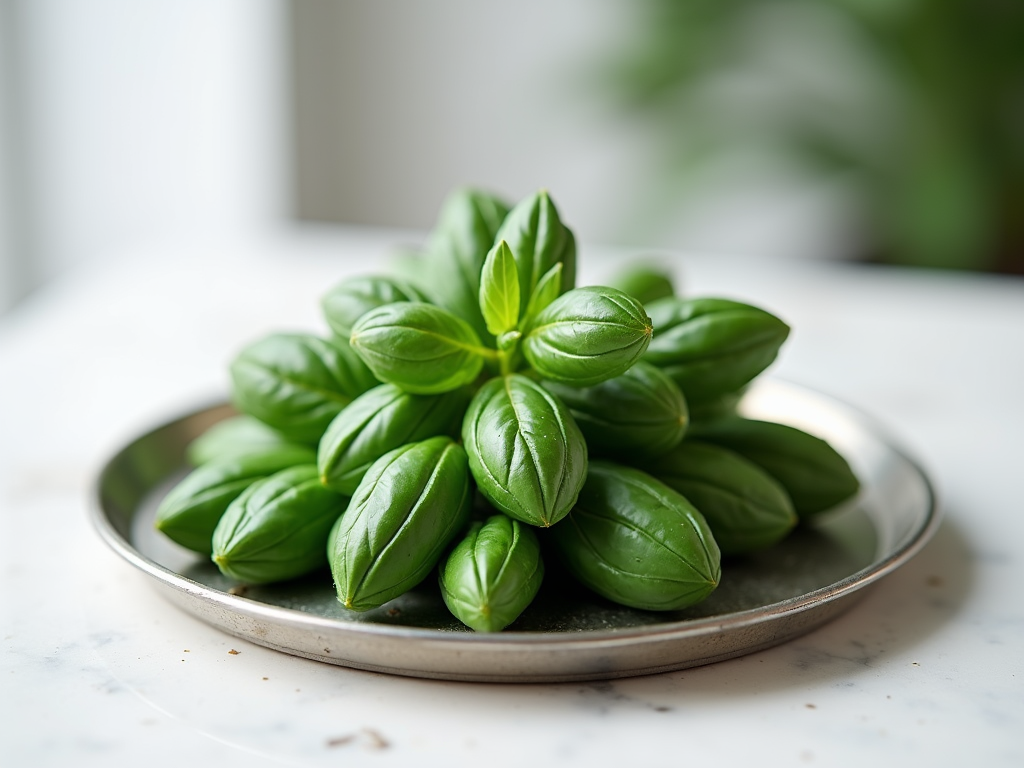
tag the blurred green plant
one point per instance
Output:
(918, 104)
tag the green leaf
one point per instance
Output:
(644, 283)
(718, 407)
(346, 302)
(234, 436)
(410, 504)
(189, 513)
(539, 241)
(527, 455)
(297, 383)
(712, 346)
(814, 474)
(379, 421)
(492, 574)
(745, 508)
(422, 348)
(464, 234)
(637, 542)
(638, 415)
(499, 290)
(278, 528)
(548, 289)
(509, 341)
(587, 335)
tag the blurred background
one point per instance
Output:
(881, 131)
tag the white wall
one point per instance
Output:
(144, 121)
(398, 102)
(401, 101)
(152, 120)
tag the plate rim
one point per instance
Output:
(906, 549)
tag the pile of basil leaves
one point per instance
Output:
(478, 414)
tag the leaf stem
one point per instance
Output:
(508, 348)
(491, 354)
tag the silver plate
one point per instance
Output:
(567, 633)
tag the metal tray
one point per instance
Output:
(818, 572)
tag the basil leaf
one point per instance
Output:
(234, 436)
(413, 267)
(718, 407)
(587, 335)
(814, 474)
(189, 513)
(346, 302)
(509, 341)
(297, 383)
(712, 346)
(379, 421)
(492, 574)
(745, 508)
(278, 528)
(422, 348)
(539, 241)
(410, 504)
(527, 455)
(358, 372)
(548, 289)
(644, 283)
(637, 542)
(464, 234)
(638, 415)
(499, 290)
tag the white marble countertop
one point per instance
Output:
(99, 670)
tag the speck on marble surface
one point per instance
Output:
(99, 670)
